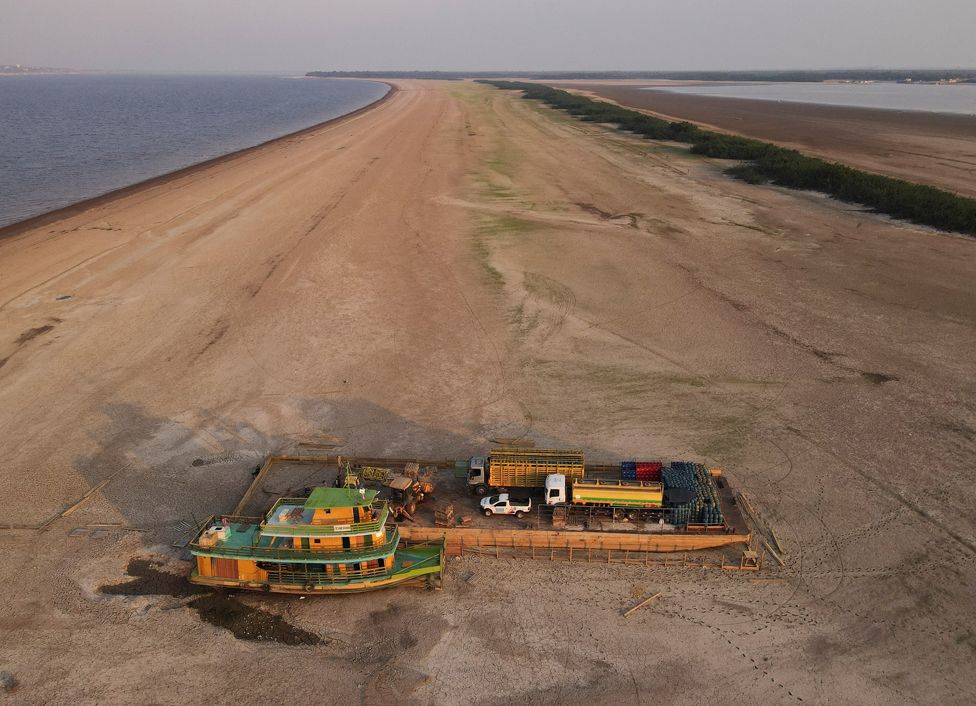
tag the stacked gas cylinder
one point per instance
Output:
(641, 470)
(705, 508)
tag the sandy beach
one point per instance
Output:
(454, 265)
(929, 148)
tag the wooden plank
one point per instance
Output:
(641, 604)
(84, 497)
(763, 528)
(745, 503)
(773, 553)
(256, 483)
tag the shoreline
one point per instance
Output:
(373, 288)
(18, 227)
(938, 149)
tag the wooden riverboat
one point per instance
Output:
(338, 540)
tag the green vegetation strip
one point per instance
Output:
(763, 162)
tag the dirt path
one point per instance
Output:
(457, 265)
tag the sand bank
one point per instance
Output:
(929, 148)
(80, 206)
(458, 265)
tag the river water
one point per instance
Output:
(64, 138)
(951, 98)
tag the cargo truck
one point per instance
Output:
(522, 468)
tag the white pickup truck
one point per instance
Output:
(503, 505)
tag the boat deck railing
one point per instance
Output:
(322, 579)
(319, 578)
(285, 554)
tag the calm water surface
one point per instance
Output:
(68, 138)
(955, 98)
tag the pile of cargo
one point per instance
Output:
(444, 514)
(680, 474)
(628, 470)
(708, 510)
(649, 471)
(705, 508)
(681, 515)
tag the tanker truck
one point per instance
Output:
(522, 468)
(630, 498)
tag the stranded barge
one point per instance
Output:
(337, 540)
(342, 539)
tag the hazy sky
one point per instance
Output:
(303, 35)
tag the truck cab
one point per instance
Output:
(556, 489)
(477, 475)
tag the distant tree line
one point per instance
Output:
(826, 75)
(762, 162)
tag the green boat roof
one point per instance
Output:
(339, 497)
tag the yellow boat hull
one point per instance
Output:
(361, 586)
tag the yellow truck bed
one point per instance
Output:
(528, 468)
